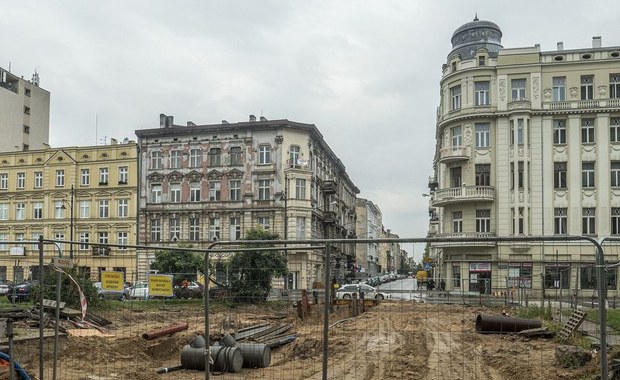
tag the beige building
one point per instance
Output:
(528, 144)
(204, 182)
(24, 113)
(369, 226)
(88, 193)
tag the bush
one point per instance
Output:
(68, 290)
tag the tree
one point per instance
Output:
(68, 290)
(180, 263)
(252, 271)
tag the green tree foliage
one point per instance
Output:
(181, 264)
(252, 271)
(68, 291)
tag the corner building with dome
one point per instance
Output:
(527, 144)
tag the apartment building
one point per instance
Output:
(199, 183)
(24, 113)
(369, 226)
(80, 194)
(528, 144)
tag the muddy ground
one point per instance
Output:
(393, 340)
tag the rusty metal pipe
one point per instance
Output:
(504, 325)
(165, 331)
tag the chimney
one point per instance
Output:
(162, 120)
(224, 122)
(263, 118)
(191, 124)
(597, 42)
(170, 121)
(252, 118)
(560, 45)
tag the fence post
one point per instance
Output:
(41, 332)
(328, 290)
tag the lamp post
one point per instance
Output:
(284, 197)
(70, 220)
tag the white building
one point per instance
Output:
(528, 144)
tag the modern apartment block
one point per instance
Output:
(528, 144)
(24, 113)
(204, 182)
(85, 193)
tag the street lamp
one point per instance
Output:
(70, 220)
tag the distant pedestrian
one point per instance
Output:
(430, 285)
(442, 285)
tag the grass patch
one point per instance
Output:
(613, 318)
(534, 312)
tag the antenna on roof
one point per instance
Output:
(476, 17)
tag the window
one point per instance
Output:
(615, 174)
(587, 131)
(587, 174)
(300, 188)
(588, 221)
(559, 131)
(60, 177)
(455, 176)
(520, 176)
(483, 221)
(4, 211)
(60, 236)
(455, 93)
(483, 175)
(194, 192)
(518, 89)
(559, 89)
(214, 229)
(215, 157)
(587, 87)
(175, 229)
(520, 131)
(37, 209)
(235, 189)
(264, 154)
(84, 238)
(59, 210)
(588, 277)
(4, 181)
(27, 92)
(38, 180)
(155, 229)
(35, 237)
(263, 189)
(300, 230)
(615, 220)
(84, 209)
(175, 192)
(453, 65)
(21, 180)
(104, 208)
(560, 221)
(483, 135)
(27, 110)
(103, 176)
(235, 229)
(456, 274)
(123, 175)
(214, 190)
(194, 229)
(481, 93)
(293, 156)
(614, 129)
(520, 275)
(614, 86)
(235, 156)
(457, 222)
(20, 211)
(156, 159)
(521, 223)
(123, 208)
(175, 159)
(85, 177)
(264, 222)
(122, 238)
(195, 158)
(456, 137)
(155, 193)
(481, 60)
(559, 175)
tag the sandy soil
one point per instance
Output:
(393, 340)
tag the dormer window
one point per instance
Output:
(482, 60)
(453, 66)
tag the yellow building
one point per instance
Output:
(83, 194)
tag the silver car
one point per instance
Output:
(346, 292)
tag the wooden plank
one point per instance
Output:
(51, 304)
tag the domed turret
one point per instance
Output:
(477, 34)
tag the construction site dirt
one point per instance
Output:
(392, 340)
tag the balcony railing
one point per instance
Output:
(464, 235)
(454, 153)
(463, 194)
(582, 104)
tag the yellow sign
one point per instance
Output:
(112, 280)
(160, 285)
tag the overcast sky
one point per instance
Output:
(366, 73)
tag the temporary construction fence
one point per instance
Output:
(400, 332)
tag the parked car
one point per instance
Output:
(139, 290)
(346, 292)
(5, 286)
(21, 292)
(120, 295)
(192, 290)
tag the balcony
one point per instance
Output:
(461, 194)
(454, 153)
(582, 104)
(465, 235)
(101, 251)
(329, 217)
